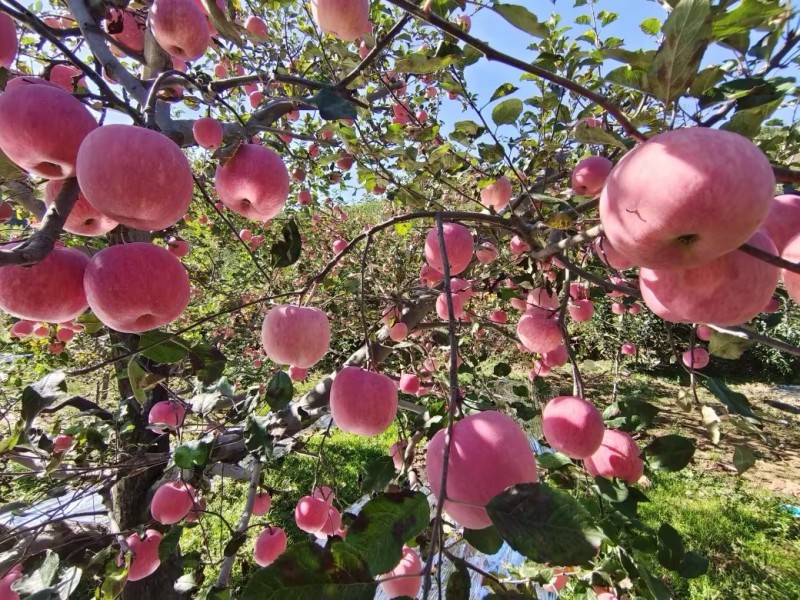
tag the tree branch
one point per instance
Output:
(21, 193)
(373, 54)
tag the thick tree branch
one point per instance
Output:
(786, 175)
(19, 192)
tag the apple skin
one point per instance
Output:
(310, 514)
(339, 245)
(332, 525)
(208, 133)
(556, 358)
(728, 290)
(136, 287)
(791, 281)
(498, 316)
(486, 253)
(696, 358)
(704, 332)
(67, 77)
(398, 332)
(610, 255)
(295, 335)
(179, 248)
(9, 44)
(126, 28)
(783, 221)
(458, 246)
(253, 183)
(22, 329)
(538, 331)
(262, 504)
(257, 28)
(497, 194)
(363, 402)
(146, 561)
(618, 456)
(397, 451)
(409, 383)
(297, 373)
(458, 306)
(685, 197)
(628, 349)
(83, 219)
(169, 412)
(42, 127)
(541, 298)
(344, 19)
(171, 502)
(518, 246)
(590, 174)
(51, 291)
(573, 426)
(110, 165)
(489, 452)
(62, 443)
(179, 27)
(410, 564)
(429, 277)
(269, 545)
(325, 493)
(581, 310)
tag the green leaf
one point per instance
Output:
(41, 394)
(305, 571)
(208, 363)
(736, 402)
(459, 584)
(503, 91)
(597, 135)
(748, 15)
(384, 524)
(670, 547)
(523, 19)
(507, 111)
(491, 153)
(192, 454)
(333, 105)
(232, 547)
(227, 29)
(286, 252)
(257, 438)
(628, 76)
(169, 542)
(167, 350)
(136, 377)
(91, 324)
(42, 577)
(693, 565)
(658, 590)
(485, 540)
(613, 491)
(553, 461)
(650, 26)
(670, 452)
(743, 459)
(748, 122)
(279, 391)
(545, 524)
(423, 65)
(502, 369)
(378, 474)
(8, 170)
(639, 59)
(687, 33)
(727, 346)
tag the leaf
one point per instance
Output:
(403, 229)
(485, 540)
(502, 369)
(502, 91)
(8, 170)
(286, 252)
(670, 452)
(384, 524)
(743, 459)
(749, 14)
(629, 77)
(553, 460)
(687, 32)
(693, 565)
(169, 542)
(232, 547)
(208, 363)
(423, 65)
(727, 346)
(613, 491)
(279, 391)
(378, 474)
(192, 454)
(227, 29)
(257, 438)
(459, 584)
(333, 105)
(137, 376)
(523, 19)
(597, 135)
(658, 590)
(650, 26)
(167, 350)
(736, 402)
(91, 324)
(305, 571)
(507, 111)
(41, 394)
(68, 582)
(545, 524)
(670, 547)
(42, 577)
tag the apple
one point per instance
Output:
(145, 559)
(304, 197)
(310, 514)
(458, 306)
(6, 212)
(409, 383)
(208, 133)
(257, 28)
(542, 298)
(126, 28)
(573, 426)
(498, 316)
(590, 174)
(171, 502)
(50, 291)
(686, 197)
(64, 335)
(728, 290)
(618, 456)
(580, 310)
(405, 579)
(339, 245)
(610, 256)
(696, 358)
(540, 369)
(345, 161)
(457, 246)
(9, 44)
(791, 281)
(465, 22)
(634, 309)
(628, 348)
(42, 331)
(295, 335)
(41, 129)
(136, 287)
(83, 219)
(518, 246)
(397, 452)
(398, 332)
(703, 332)
(180, 28)
(67, 77)
(344, 19)
(429, 277)
(255, 99)
(618, 308)
(488, 453)
(179, 248)
(783, 221)
(262, 504)
(168, 414)
(246, 235)
(269, 545)
(486, 253)
(773, 306)
(556, 358)
(198, 510)
(62, 443)
(297, 373)
(253, 183)
(324, 493)
(363, 402)
(110, 165)
(22, 329)
(332, 525)
(538, 331)
(497, 194)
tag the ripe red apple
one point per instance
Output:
(179, 248)
(42, 332)
(727, 290)
(489, 452)
(64, 335)
(458, 306)
(295, 335)
(486, 253)
(703, 332)
(22, 329)
(498, 316)
(208, 133)
(628, 349)
(254, 183)
(332, 525)
(774, 305)
(126, 28)
(397, 451)
(429, 277)
(41, 129)
(6, 211)
(171, 502)
(422, 114)
(197, 511)
(168, 413)
(304, 197)
(409, 383)
(540, 369)
(246, 235)
(610, 256)
(783, 221)
(497, 194)
(8, 41)
(542, 298)
(580, 310)
(136, 287)
(590, 174)
(399, 581)
(297, 373)
(344, 19)
(67, 77)
(618, 308)
(634, 309)
(556, 358)
(145, 561)
(345, 161)
(110, 165)
(324, 493)
(457, 246)
(62, 443)
(685, 197)
(257, 28)
(465, 22)
(791, 281)
(538, 331)
(269, 545)
(363, 402)
(618, 456)
(573, 426)
(697, 358)
(83, 219)
(56, 348)
(179, 27)
(398, 332)
(311, 513)
(339, 245)
(50, 291)
(262, 504)
(518, 246)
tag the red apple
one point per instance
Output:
(67, 77)
(257, 28)
(310, 514)
(345, 161)
(791, 280)
(145, 561)
(297, 373)
(486, 253)
(344, 19)
(332, 525)
(295, 335)
(429, 277)
(179, 248)
(497, 194)
(518, 246)
(686, 197)
(254, 183)
(269, 545)
(704, 332)
(409, 383)
(783, 221)
(556, 358)
(64, 335)
(590, 174)
(324, 493)
(208, 133)
(498, 316)
(262, 504)
(405, 579)
(610, 256)
(127, 28)
(618, 456)
(398, 332)
(83, 219)
(22, 329)
(179, 27)
(397, 452)
(457, 246)
(339, 245)
(538, 331)
(110, 167)
(697, 358)
(628, 349)
(8, 41)
(62, 443)
(580, 310)
(171, 502)
(363, 402)
(136, 287)
(573, 426)
(168, 413)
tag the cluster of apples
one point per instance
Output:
(317, 515)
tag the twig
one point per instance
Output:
(373, 54)
(770, 258)
(575, 240)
